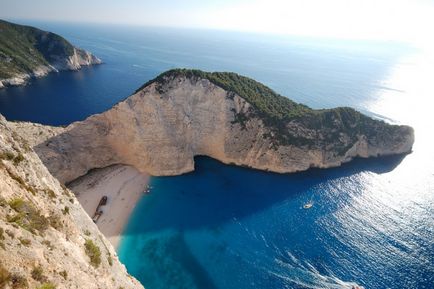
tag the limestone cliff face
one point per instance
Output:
(76, 61)
(45, 235)
(164, 125)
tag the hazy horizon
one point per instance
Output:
(399, 21)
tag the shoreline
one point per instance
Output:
(123, 185)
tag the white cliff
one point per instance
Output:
(46, 238)
(161, 128)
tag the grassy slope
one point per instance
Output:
(278, 111)
(23, 48)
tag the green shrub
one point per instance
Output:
(27, 216)
(25, 242)
(65, 211)
(93, 252)
(18, 179)
(55, 222)
(19, 158)
(38, 274)
(17, 204)
(48, 285)
(7, 156)
(50, 193)
(48, 244)
(64, 274)
(18, 281)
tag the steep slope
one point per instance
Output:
(234, 119)
(27, 52)
(46, 238)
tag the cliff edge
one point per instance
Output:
(46, 238)
(231, 118)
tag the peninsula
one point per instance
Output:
(234, 119)
(27, 52)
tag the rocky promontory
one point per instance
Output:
(46, 238)
(27, 52)
(236, 120)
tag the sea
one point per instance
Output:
(371, 221)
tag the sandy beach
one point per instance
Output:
(123, 186)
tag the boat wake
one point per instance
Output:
(298, 274)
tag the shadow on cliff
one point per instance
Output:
(216, 193)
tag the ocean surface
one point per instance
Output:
(372, 221)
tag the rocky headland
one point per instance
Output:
(236, 120)
(27, 52)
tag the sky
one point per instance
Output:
(408, 21)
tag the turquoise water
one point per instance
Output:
(230, 227)
(227, 227)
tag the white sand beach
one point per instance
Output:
(123, 186)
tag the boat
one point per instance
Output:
(148, 190)
(99, 212)
(102, 202)
(96, 216)
(308, 205)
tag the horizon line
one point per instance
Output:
(235, 31)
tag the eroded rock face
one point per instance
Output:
(76, 61)
(43, 228)
(162, 127)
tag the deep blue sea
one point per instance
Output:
(222, 227)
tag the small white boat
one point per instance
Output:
(148, 189)
(308, 205)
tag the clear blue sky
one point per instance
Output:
(404, 20)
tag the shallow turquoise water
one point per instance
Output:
(230, 227)
(225, 227)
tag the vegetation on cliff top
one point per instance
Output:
(263, 98)
(24, 48)
(278, 112)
